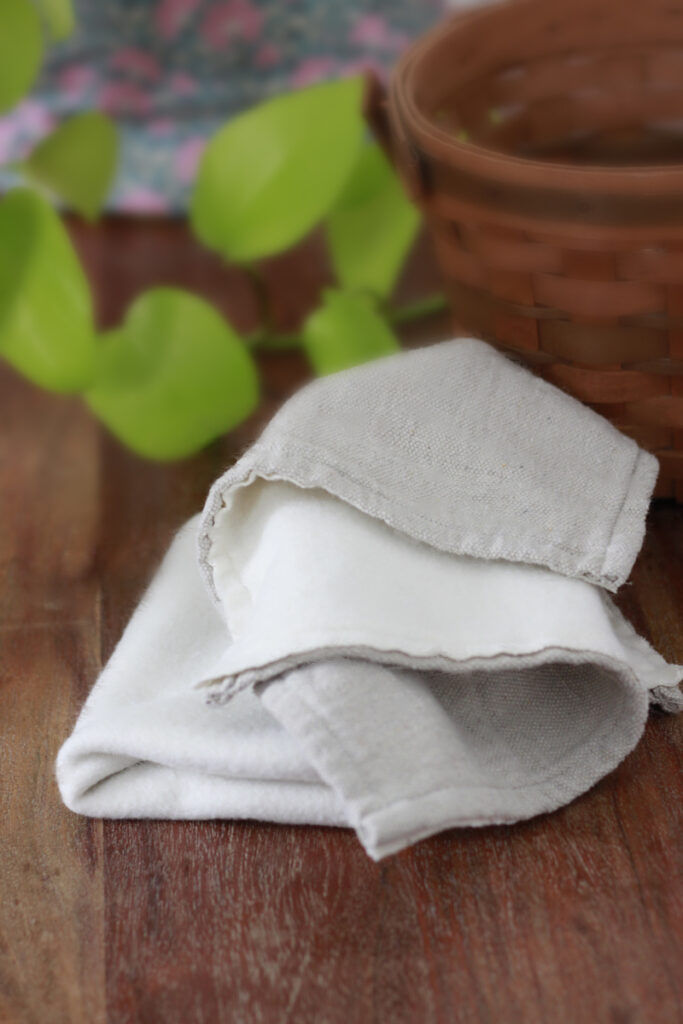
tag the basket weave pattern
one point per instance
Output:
(544, 144)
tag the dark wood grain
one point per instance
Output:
(572, 917)
(51, 882)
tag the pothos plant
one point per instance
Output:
(175, 374)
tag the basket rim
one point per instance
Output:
(509, 169)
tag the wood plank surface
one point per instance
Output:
(575, 917)
(51, 881)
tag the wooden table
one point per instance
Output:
(573, 917)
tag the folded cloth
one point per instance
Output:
(457, 446)
(406, 625)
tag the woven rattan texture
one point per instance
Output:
(544, 143)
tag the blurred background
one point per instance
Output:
(169, 73)
(203, 164)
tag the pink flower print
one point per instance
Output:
(312, 70)
(372, 31)
(19, 131)
(361, 65)
(143, 200)
(124, 99)
(33, 119)
(234, 19)
(137, 63)
(267, 56)
(187, 159)
(171, 15)
(369, 30)
(161, 126)
(8, 135)
(75, 80)
(182, 84)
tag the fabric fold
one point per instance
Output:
(302, 577)
(399, 619)
(145, 746)
(411, 754)
(458, 447)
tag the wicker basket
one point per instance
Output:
(543, 142)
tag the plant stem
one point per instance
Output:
(263, 340)
(255, 275)
(417, 310)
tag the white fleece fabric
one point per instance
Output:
(147, 746)
(375, 657)
(382, 684)
(301, 575)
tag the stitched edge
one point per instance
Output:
(255, 466)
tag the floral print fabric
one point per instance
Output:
(171, 71)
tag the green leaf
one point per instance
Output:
(59, 15)
(173, 377)
(21, 50)
(46, 326)
(77, 162)
(346, 331)
(272, 173)
(372, 227)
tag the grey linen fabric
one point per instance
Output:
(458, 447)
(411, 754)
(407, 576)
